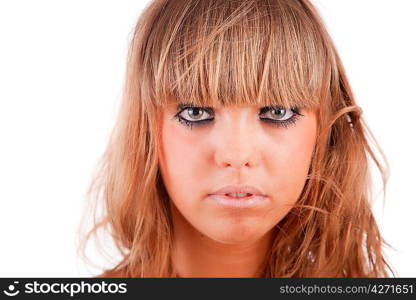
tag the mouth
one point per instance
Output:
(238, 200)
(238, 195)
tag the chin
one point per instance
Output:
(236, 234)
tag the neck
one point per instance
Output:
(196, 255)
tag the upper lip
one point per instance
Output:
(238, 189)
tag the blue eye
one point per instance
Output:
(277, 116)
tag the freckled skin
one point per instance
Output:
(235, 148)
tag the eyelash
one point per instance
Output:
(281, 124)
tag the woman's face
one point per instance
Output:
(235, 146)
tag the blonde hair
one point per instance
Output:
(222, 52)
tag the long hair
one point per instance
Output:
(222, 52)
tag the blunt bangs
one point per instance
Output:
(219, 53)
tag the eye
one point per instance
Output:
(193, 115)
(277, 113)
(280, 116)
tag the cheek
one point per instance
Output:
(290, 160)
(182, 162)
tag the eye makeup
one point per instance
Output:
(285, 123)
(293, 113)
(189, 123)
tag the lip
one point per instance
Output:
(243, 202)
(256, 197)
(239, 189)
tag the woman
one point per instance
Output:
(239, 150)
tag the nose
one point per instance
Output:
(236, 143)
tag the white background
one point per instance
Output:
(61, 71)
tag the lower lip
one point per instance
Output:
(241, 202)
